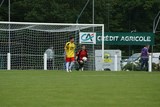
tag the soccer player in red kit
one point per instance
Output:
(79, 57)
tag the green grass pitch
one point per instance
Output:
(79, 89)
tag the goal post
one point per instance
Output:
(29, 41)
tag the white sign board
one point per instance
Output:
(109, 58)
(87, 38)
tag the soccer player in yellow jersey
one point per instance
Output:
(70, 54)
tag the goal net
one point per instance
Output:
(27, 42)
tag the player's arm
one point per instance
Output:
(86, 53)
(141, 52)
(148, 52)
(77, 54)
(66, 46)
(74, 46)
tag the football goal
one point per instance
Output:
(22, 44)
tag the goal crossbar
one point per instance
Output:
(63, 24)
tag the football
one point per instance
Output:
(84, 58)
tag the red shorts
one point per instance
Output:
(70, 59)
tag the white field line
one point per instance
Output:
(104, 75)
(116, 75)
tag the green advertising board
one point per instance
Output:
(118, 38)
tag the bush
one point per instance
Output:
(132, 66)
(135, 66)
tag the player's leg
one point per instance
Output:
(71, 63)
(146, 64)
(81, 63)
(50, 64)
(142, 63)
(82, 66)
(47, 64)
(67, 64)
(77, 63)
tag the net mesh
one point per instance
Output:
(28, 43)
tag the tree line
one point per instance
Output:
(116, 15)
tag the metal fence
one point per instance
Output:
(115, 63)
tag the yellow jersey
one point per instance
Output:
(70, 49)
